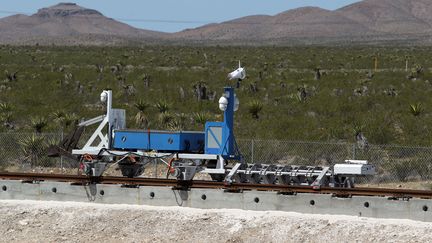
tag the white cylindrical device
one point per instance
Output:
(103, 97)
(223, 103)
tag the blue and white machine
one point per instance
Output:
(218, 138)
(216, 144)
(213, 151)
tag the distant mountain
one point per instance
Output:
(308, 22)
(368, 21)
(68, 23)
(392, 16)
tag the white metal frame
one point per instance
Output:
(99, 133)
(105, 137)
(104, 131)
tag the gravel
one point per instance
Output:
(48, 221)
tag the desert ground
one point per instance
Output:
(47, 221)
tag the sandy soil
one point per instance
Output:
(33, 221)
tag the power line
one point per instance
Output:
(169, 21)
(163, 21)
(12, 12)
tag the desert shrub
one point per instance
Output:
(326, 112)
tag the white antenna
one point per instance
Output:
(239, 73)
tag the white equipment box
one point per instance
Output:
(354, 167)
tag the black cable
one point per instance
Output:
(132, 153)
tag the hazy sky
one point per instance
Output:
(175, 15)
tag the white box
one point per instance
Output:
(354, 169)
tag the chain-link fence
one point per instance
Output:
(27, 152)
(395, 164)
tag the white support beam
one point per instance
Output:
(92, 121)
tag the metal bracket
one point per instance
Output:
(320, 180)
(228, 178)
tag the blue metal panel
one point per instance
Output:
(219, 136)
(159, 140)
(228, 133)
(213, 137)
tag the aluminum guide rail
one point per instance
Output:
(235, 187)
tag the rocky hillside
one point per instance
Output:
(309, 22)
(367, 21)
(392, 16)
(68, 23)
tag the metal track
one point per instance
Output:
(235, 187)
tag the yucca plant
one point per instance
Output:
(254, 108)
(5, 107)
(416, 109)
(418, 69)
(201, 117)
(38, 123)
(358, 128)
(175, 125)
(179, 123)
(163, 106)
(51, 141)
(6, 112)
(141, 118)
(11, 76)
(6, 117)
(165, 119)
(32, 147)
(362, 142)
(58, 117)
(70, 119)
(64, 120)
(301, 94)
(146, 78)
(317, 73)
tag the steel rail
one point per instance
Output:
(235, 187)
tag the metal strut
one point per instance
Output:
(315, 176)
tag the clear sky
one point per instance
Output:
(175, 15)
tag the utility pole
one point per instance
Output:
(376, 63)
(406, 63)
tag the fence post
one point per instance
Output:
(155, 168)
(354, 151)
(61, 157)
(252, 152)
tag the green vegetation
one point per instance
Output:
(201, 118)
(38, 124)
(416, 109)
(255, 107)
(33, 147)
(141, 117)
(162, 106)
(298, 93)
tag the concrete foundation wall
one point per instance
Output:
(376, 207)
